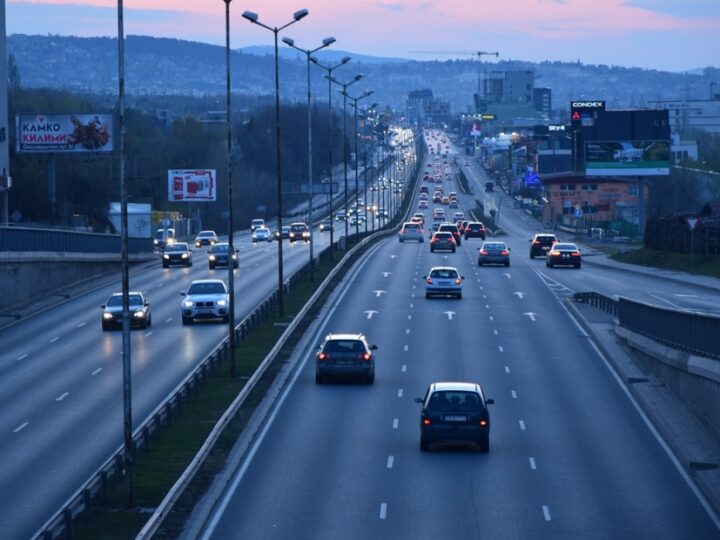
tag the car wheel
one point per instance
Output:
(532, 256)
(370, 379)
(400, 240)
(105, 328)
(459, 296)
(453, 250)
(319, 379)
(187, 320)
(149, 322)
(424, 444)
(432, 249)
(165, 265)
(480, 263)
(236, 265)
(548, 264)
(212, 266)
(189, 264)
(226, 319)
(427, 295)
(422, 240)
(578, 265)
(484, 444)
(507, 263)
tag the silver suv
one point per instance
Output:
(205, 299)
(345, 355)
(411, 231)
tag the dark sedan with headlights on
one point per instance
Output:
(220, 255)
(178, 253)
(564, 254)
(138, 306)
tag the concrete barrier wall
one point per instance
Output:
(30, 276)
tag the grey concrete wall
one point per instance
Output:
(27, 277)
(694, 380)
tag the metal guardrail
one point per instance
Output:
(58, 240)
(696, 333)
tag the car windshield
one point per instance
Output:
(297, 228)
(565, 247)
(344, 346)
(447, 273)
(206, 288)
(220, 248)
(176, 247)
(116, 300)
(454, 401)
(206, 234)
(493, 246)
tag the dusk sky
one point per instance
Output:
(669, 35)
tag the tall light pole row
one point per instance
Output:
(355, 106)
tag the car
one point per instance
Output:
(326, 225)
(494, 253)
(218, 255)
(453, 195)
(564, 253)
(299, 231)
(453, 204)
(206, 238)
(439, 214)
(461, 225)
(345, 355)
(382, 213)
(445, 200)
(411, 231)
(437, 197)
(420, 216)
(433, 228)
(474, 229)
(205, 299)
(442, 240)
(283, 233)
(340, 215)
(541, 243)
(138, 306)
(164, 237)
(422, 204)
(256, 223)
(458, 217)
(454, 412)
(423, 197)
(443, 281)
(425, 190)
(177, 253)
(451, 227)
(261, 234)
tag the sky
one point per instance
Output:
(671, 35)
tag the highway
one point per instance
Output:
(61, 375)
(570, 454)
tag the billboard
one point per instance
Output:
(138, 219)
(627, 158)
(191, 185)
(64, 133)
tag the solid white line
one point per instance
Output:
(98, 370)
(522, 425)
(404, 368)
(546, 513)
(22, 357)
(390, 461)
(383, 510)
(148, 334)
(395, 423)
(20, 427)
(513, 393)
(500, 348)
(532, 463)
(400, 392)
(81, 324)
(53, 340)
(507, 369)
(60, 398)
(406, 348)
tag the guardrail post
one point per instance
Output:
(68, 519)
(104, 487)
(87, 498)
(146, 438)
(168, 412)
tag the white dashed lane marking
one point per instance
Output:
(383, 510)
(20, 427)
(395, 423)
(63, 396)
(513, 393)
(400, 393)
(404, 368)
(390, 461)
(546, 513)
(98, 370)
(53, 340)
(81, 324)
(522, 425)
(507, 369)
(22, 357)
(532, 463)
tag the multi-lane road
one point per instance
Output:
(570, 454)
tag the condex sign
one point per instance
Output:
(64, 133)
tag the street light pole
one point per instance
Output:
(254, 18)
(329, 70)
(357, 189)
(128, 452)
(231, 248)
(345, 148)
(325, 43)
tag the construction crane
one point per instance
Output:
(479, 55)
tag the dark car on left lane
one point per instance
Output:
(178, 253)
(139, 309)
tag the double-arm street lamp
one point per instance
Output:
(253, 18)
(355, 100)
(329, 70)
(345, 148)
(325, 43)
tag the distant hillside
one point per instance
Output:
(161, 66)
(326, 55)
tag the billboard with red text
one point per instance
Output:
(64, 133)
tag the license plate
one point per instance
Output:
(344, 362)
(565, 256)
(455, 418)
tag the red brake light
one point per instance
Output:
(483, 423)
(536, 243)
(483, 252)
(458, 281)
(365, 356)
(426, 422)
(429, 281)
(323, 356)
(504, 252)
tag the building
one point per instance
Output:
(685, 115)
(417, 101)
(542, 101)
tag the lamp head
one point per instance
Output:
(288, 41)
(300, 14)
(358, 77)
(328, 41)
(344, 59)
(250, 16)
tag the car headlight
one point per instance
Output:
(184, 256)
(166, 256)
(234, 257)
(156, 242)
(139, 314)
(211, 257)
(188, 303)
(222, 303)
(107, 315)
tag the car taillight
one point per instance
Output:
(483, 252)
(323, 356)
(536, 243)
(426, 422)
(365, 356)
(554, 253)
(483, 423)
(575, 253)
(433, 240)
(429, 281)
(458, 281)
(504, 252)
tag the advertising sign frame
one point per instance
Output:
(627, 158)
(64, 133)
(192, 185)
